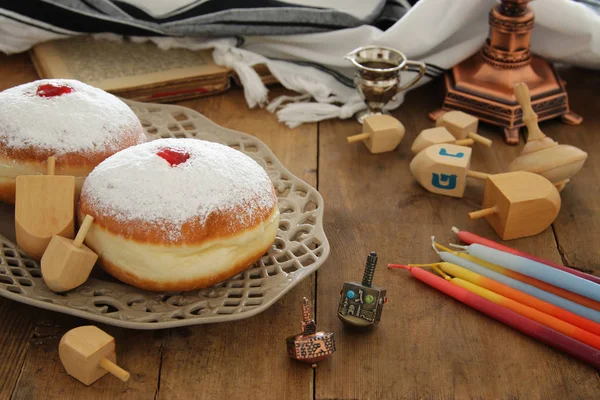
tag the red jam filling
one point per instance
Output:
(174, 156)
(50, 90)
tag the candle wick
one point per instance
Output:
(443, 248)
(455, 230)
(399, 266)
(437, 269)
(458, 246)
(433, 244)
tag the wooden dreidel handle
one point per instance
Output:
(67, 264)
(518, 204)
(479, 139)
(381, 133)
(88, 353)
(358, 138)
(483, 213)
(458, 123)
(542, 155)
(44, 207)
(530, 118)
(439, 135)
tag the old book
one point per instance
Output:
(136, 71)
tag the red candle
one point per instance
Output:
(471, 238)
(523, 324)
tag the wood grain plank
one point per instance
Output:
(15, 70)
(43, 376)
(246, 359)
(18, 319)
(15, 331)
(31, 335)
(577, 227)
(427, 345)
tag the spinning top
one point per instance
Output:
(361, 304)
(67, 263)
(440, 135)
(519, 204)
(462, 125)
(443, 169)
(310, 346)
(88, 353)
(381, 133)
(44, 207)
(542, 155)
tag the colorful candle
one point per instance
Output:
(471, 238)
(551, 322)
(584, 301)
(537, 270)
(531, 328)
(523, 287)
(520, 297)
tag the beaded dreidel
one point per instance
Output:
(381, 133)
(88, 353)
(361, 304)
(311, 345)
(68, 263)
(44, 207)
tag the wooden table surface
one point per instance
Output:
(427, 345)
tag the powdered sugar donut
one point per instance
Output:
(179, 214)
(79, 124)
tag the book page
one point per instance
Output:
(118, 65)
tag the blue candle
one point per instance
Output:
(537, 270)
(558, 301)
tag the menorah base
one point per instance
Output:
(486, 92)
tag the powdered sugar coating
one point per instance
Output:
(87, 120)
(136, 184)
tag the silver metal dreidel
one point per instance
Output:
(311, 345)
(361, 304)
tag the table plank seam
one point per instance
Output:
(161, 351)
(316, 272)
(563, 255)
(21, 367)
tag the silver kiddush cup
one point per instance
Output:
(378, 76)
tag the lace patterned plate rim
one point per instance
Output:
(299, 249)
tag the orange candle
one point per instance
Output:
(554, 323)
(574, 297)
(518, 296)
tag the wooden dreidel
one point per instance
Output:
(311, 345)
(68, 263)
(44, 207)
(439, 135)
(381, 133)
(542, 155)
(361, 304)
(519, 204)
(443, 169)
(461, 125)
(88, 353)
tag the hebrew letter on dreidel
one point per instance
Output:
(444, 152)
(442, 168)
(440, 183)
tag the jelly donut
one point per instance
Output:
(78, 124)
(179, 214)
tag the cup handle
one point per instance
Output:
(422, 68)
